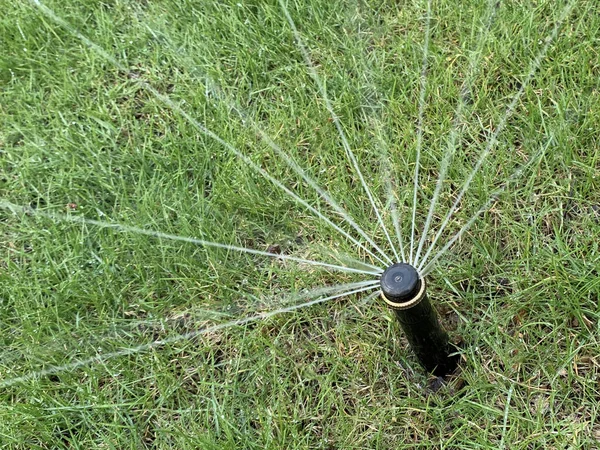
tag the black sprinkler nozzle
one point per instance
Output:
(405, 292)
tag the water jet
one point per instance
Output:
(405, 292)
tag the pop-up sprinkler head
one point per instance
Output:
(405, 292)
(401, 286)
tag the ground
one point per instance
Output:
(112, 338)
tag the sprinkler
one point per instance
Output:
(405, 292)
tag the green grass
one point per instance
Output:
(82, 137)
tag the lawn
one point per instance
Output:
(145, 144)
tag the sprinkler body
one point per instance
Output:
(405, 293)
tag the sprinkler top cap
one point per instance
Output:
(400, 283)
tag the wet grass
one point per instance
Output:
(82, 137)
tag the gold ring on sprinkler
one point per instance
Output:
(400, 306)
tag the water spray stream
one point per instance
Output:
(388, 177)
(395, 217)
(474, 64)
(324, 195)
(289, 160)
(421, 114)
(508, 113)
(425, 269)
(197, 314)
(315, 75)
(157, 234)
(177, 108)
(200, 127)
(162, 342)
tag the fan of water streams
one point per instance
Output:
(202, 179)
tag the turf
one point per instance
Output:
(83, 138)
